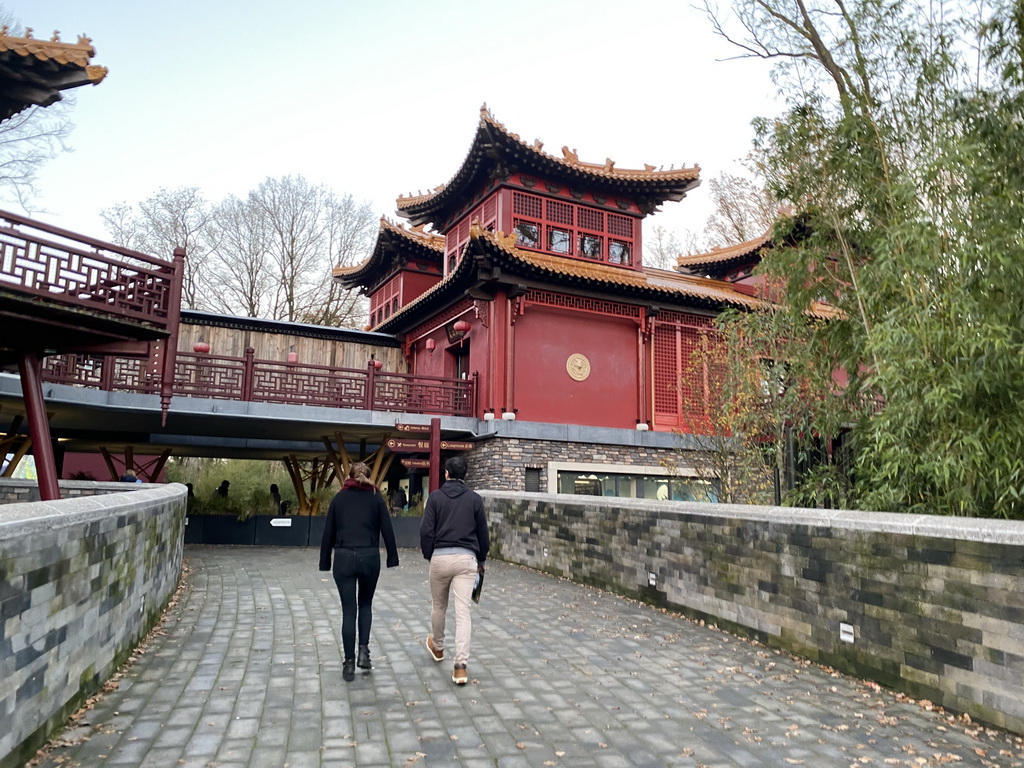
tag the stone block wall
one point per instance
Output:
(16, 490)
(82, 581)
(500, 464)
(933, 606)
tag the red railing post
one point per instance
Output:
(472, 394)
(248, 373)
(371, 384)
(107, 373)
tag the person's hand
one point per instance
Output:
(480, 567)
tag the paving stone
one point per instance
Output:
(248, 673)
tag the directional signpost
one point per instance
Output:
(433, 445)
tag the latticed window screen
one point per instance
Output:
(620, 225)
(527, 205)
(680, 397)
(560, 213)
(591, 219)
(572, 229)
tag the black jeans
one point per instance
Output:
(358, 567)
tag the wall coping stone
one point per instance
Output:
(939, 526)
(22, 518)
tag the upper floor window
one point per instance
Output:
(556, 226)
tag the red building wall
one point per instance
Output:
(544, 391)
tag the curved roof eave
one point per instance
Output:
(493, 143)
(389, 236)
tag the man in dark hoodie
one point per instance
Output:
(454, 538)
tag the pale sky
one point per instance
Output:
(379, 98)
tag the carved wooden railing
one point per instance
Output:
(269, 381)
(68, 268)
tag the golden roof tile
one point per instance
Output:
(569, 160)
(727, 253)
(69, 54)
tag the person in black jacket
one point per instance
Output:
(454, 538)
(356, 521)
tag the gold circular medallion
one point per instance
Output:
(578, 366)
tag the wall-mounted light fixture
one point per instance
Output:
(509, 415)
(489, 414)
(430, 345)
(642, 426)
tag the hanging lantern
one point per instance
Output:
(377, 364)
(201, 347)
(293, 357)
(430, 344)
(461, 326)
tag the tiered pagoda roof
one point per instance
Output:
(34, 72)
(496, 152)
(720, 261)
(396, 245)
(492, 259)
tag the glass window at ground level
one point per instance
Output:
(637, 486)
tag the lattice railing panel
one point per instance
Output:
(217, 377)
(35, 261)
(233, 378)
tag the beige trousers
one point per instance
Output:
(454, 574)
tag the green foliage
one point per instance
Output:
(903, 151)
(249, 490)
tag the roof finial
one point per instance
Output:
(56, 36)
(570, 155)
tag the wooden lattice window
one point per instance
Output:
(680, 382)
(556, 226)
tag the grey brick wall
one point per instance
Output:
(82, 581)
(15, 490)
(935, 604)
(500, 464)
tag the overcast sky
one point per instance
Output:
(378, 98)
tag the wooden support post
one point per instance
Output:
(295, 473)
(154, 473)
(110, 463)
(17, 455)
(436, 469)
(129, 459)
(30, 368)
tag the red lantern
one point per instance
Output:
(461, 326)
(293, 357)
(377, 365)
(201, 347)
(430, 344)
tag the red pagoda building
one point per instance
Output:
(531, 281)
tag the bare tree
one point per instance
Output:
(662, 248)
(169, 219)
(310, 230)
(743, 210)
(30, 138)
(240, 267)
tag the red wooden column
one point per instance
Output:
(30, 368)
(436, 470)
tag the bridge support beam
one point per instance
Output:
(30, 368)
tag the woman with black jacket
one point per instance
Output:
(356, 521)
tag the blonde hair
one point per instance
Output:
(360, 472)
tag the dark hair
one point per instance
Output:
(456, 467)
